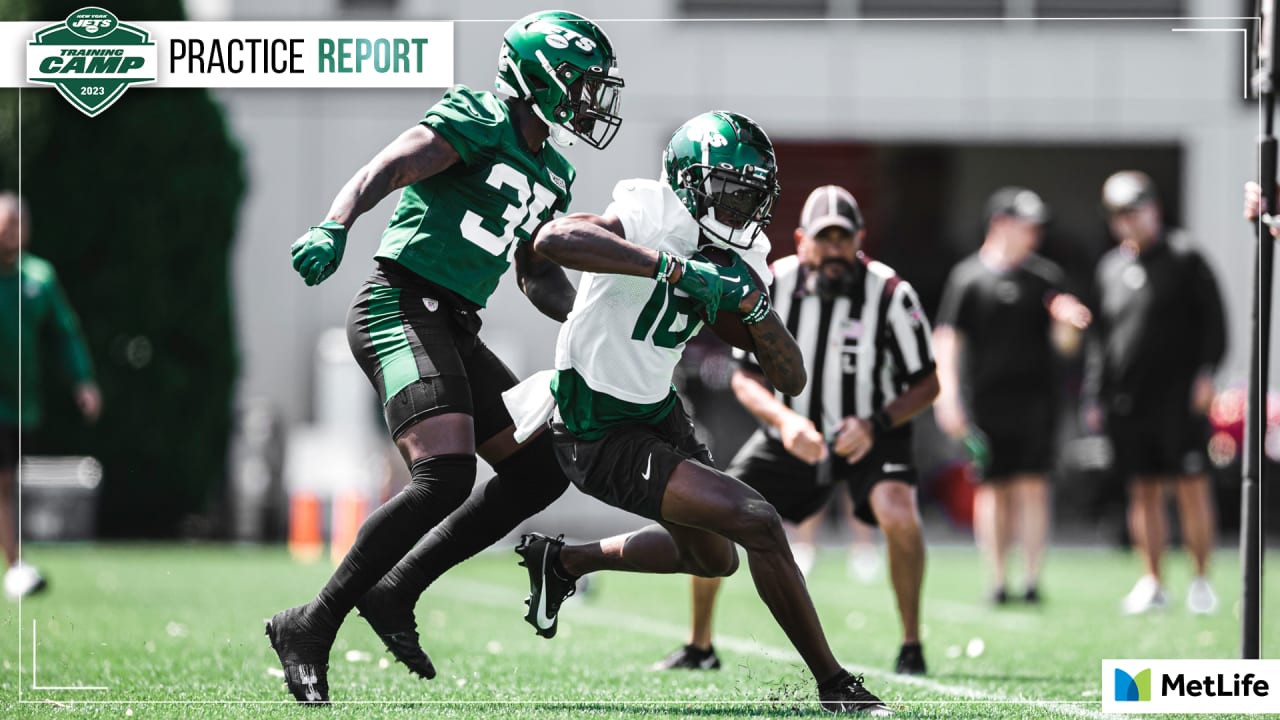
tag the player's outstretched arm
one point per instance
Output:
(592, 243)
(544, 283)
(777, 352)
(417, 154)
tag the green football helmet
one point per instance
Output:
(563, 64)
(722, 166)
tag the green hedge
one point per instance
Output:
(136, 209)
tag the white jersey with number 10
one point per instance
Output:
(626, 333)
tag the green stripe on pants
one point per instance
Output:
(386, 330)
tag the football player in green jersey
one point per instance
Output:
(31, 305)
(478, 176)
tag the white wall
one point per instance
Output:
(870, 81)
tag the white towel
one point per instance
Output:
(531, 403)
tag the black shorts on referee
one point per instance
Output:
(798, 489)
(630, 465)
(418, 344)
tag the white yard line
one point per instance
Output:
(500, 597)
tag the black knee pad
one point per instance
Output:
(441, 480)
(533, 475)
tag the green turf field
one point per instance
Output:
(175, 631)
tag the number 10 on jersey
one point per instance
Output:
(670, 332)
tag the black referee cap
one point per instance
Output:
(830, 206)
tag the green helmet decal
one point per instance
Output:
(722, 166)
(564, 65)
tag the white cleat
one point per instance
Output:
(22, 580)
(1201, 599)
(1146, 595)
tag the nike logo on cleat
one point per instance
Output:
(735, 278)
(540, 618)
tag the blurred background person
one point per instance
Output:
(1150, 380)
(1004, 311)
(867, 350)
(33, 310)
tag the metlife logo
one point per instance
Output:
(1210, 687)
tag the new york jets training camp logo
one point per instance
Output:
(92, 58)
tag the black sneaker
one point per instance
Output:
(910, 659)
(392, 620)
(689, 658)
(304, 655)
(546, 588)
(849, 696)
(1032, 596)
(1000, 596)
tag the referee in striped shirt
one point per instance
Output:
(868, 353)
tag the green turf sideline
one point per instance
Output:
(496, 596)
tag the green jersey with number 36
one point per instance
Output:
(457, 228)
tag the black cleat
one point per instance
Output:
(1032, 595)
(910, 659)
(849, 696)
(393, 622)
(689, 658)
(303, 654)
(546, 588)
(1000, 596)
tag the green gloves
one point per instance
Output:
(714, 285)
(316, 255)
(978, 448)
(738, 283)
(699, 278)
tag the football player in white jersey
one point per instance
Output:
(620, 432)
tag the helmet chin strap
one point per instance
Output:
(722, 234)
(562, 137)
(559, 134)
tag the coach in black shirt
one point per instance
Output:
(1161, 338)
(1004, 313)
(869, 357)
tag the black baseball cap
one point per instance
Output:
(1127, 190)
(1018, 203)
(830, 206)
